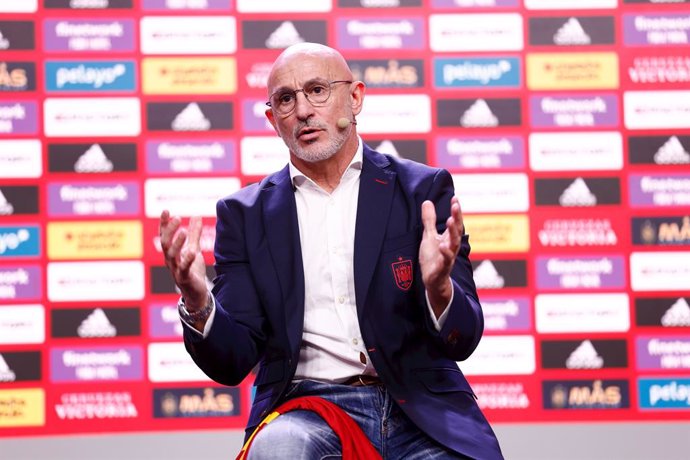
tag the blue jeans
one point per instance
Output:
(304, 435)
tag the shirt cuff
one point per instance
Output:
(438, 323)
(209, 321)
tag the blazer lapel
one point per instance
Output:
(377, 184)
(282, 233)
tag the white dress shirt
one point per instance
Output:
(332, 348)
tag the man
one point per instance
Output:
(333, 276)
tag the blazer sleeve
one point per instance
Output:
(237, 336)
(464, 324)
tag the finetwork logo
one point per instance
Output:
(89, 364)
(574, 110)
(88, 35)
(507, 314)
(582, 272)
(20, 282)
(666, 29)
(18, 117)
(89, 4)
(485, 152)
(194, 5)
(477, 72)
(90, 76)
(386, 33)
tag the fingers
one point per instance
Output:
(456, 213)
(429, 217)
(194, 236)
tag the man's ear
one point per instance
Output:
(271, 119)
(357, 96)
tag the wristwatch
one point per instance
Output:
(198, 315)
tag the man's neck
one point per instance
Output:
(327, 173)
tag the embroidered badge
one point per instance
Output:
(402, 271)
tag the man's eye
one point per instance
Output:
(318, 89)
(286, 98)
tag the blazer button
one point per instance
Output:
(453, 337)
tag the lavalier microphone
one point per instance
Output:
(343, 122)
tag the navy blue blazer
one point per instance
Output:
(259, 289)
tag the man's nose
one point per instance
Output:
(303, 108)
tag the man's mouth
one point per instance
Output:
(308, 134)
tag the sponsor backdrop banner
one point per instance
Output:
(565, 125)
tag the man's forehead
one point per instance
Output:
(299, 71)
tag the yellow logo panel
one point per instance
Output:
(95, 240)
(22, 407)
(212, 75)
(498, 233)
(572, 71)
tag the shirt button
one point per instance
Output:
(341, 299)
(355, 341)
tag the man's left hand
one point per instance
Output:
(437, 253)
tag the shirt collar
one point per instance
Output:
(298, 178)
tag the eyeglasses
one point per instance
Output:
(315, 91)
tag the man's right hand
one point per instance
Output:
(184, 259)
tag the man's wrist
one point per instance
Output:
(195, 316)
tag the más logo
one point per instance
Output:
(475, 32)
(20, 282)
(572, 31)
(592, 231)
(480, 152)
(661, 231)
(95, 323)
(651, 190)
(586, 394)
(384, 33)
(192, 156)
(17, 35)
(93, 199)
(88, 364)
(658, 71)
(659, 150)
(584, 354)
(391, 73)
(664, 393)
(18, 200)
(19, 241)
(17, 76)
(18, 117)
(90, 76)
(196, 402)
(479, 113)
(89, 4)
(665, 29)
(189, 116)
(99, 158)
(578, 192)
(582, 272)
(670, 352)
(574, 110)
(281, 34)
(671, 312)
(88, 35)
(477, 72)
(499, 274)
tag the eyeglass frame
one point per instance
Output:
(301, 90)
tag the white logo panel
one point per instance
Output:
(262, 155)
(22, 324)
(592, 151)
(400, 113)
(187, 197)
(476, 32)
(84, 281)
(660, 271)
(501, 354)
(657, 109)
(188, 35)
(492, 192)
(20, 159)
(89, 117)
(170, 362)
(582, 313)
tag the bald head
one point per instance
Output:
(304, 53)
